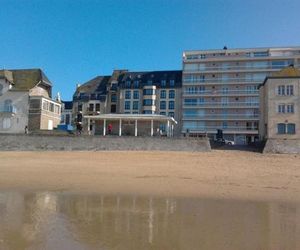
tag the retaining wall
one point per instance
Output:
(96, 143)
(277, 146)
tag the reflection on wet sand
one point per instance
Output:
(77, 221)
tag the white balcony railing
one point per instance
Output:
(220, 116)
(212, 128)
(221, 104)
(222, 92)
(223, 80)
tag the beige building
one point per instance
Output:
(280, 105)
(220, 89)
(25, 102)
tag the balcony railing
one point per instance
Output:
(221, 104)
(210, 128)
(222, 92)
(8, 109)
(241, 67)
(224, 80)
(220, 116)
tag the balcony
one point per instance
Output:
(222, 93)
(8, 109)
(222, 81)
(239, 68)
(229, 129)
(221, 104)
(207, 117)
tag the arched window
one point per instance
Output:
(1, 89)
(8, 105)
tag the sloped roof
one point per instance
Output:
(290, 71)
(25, 79)
(97, 84)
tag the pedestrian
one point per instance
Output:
(26, 130)
(109, 128)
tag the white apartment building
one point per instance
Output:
(220, 89)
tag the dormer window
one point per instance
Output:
(172, 83)
(127, 84)
(163, 83)
(149, 82)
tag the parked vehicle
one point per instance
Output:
(224, 141)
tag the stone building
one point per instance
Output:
(280, 105)
(25, 102)
(130, 93)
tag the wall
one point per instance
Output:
(278, 146)
(70, 143)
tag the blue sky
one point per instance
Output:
(74, 41)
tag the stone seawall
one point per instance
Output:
(282, 146)
(96, 143)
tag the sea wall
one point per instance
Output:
(95, 143)
(280, 146)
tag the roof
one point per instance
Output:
(68, 104)
(131, 117)
(155, 76)
(285, 73)
(97, 84)
(25, 79)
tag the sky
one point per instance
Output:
(73, 41)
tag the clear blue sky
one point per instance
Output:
(74, 41)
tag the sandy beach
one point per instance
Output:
(218, 174)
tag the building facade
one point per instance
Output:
(125, 92)
(25, 102)
(280, 105)
(220, 89)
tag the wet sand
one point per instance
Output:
(218, 174)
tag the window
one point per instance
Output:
(171, 114)
(281, 108)
(127, 105)
(8, 105)
(136, 84)
(79, 118)
(6, 123)
(135, 105)
(113, 98)
(1, 89)
(163, 94)
(163, 83)
(149, 82)
(162, 105)
(172, 83)
(97, 107)
(162, 113)
(290, 90)
(127, 84)
(148, 92)
(190, 102)
(148, 112)
(148, 102)
(136, 94)
(171, 94)
(291, 128)
(290, 108)
(91, 107)
(260, 54)
(281, 128)
(67, 119)
(281, 90)
(127, 94)
(79, 106)
(171, 104)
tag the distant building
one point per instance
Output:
(25, 102)
(125, 92)
(220, 89)
(66, 112)
(280, 105)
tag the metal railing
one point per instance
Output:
(222, 92)
(209, 128)
(225, 104)
(221, 116)
(224, 80)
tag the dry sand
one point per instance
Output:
(218, 174)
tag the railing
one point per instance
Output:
(234, 67)
(222, 92)
(209, 128)
(220, 116)
(224, 80)
(252, 104)
(8, 109)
